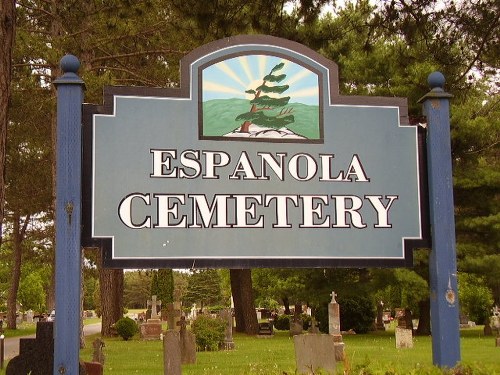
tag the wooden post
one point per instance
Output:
(68, 217)
(442, 260)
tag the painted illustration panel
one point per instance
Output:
(261, 97)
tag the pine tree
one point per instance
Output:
(262, 103)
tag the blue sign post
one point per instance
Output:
(442, 262)
(68, 217)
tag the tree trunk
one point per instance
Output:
(286, 303)
(424, 321)
(7, 37)
(244, 307)
(18, 237)
(111, 288)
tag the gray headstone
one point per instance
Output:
(314, 353)
(227, 316)
(296, 327)
(98, 354)
(404, 338)
(187, 342)
(171, 353)
(333, 316)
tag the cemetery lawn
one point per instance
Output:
(374, 353)
(23, 329)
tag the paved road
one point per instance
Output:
(12, 344)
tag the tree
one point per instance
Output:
(244, 307)
(137, 289)
(204, 288)
(475, 298)
(7, 37)
(262, 103)
(32, 292)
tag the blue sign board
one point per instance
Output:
(256, 160)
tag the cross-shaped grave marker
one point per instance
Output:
(154, 305)
(173, 315)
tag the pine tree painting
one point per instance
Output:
(260, 96)
(263, 102)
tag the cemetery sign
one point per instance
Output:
(256, 160)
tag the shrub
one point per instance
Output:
(282, 322)
(126, 328)
(209, 332)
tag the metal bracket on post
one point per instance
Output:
(68, 217)
(442, 259)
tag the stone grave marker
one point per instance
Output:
(404, 329)
(187, 342)
(98, 354)
(314, 329)
(155, 307)
(314, 353)
(93, 368)
(29, 316)
(36, 356)
(151, 330)
(296, 324)
(404, 338)
(227, 316)
(171, 353)
(266, 328)
(334, 327)
(173, 311)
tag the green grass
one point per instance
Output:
(374, 353)
(371, 354)
(23, 329)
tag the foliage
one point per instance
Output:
(204, 288)
(356, 313)
(475, 298)
(282, 322)
(261, 102)
(126, 328)
(32, 292)
(137, 288)
(209, 332)
(165, 291)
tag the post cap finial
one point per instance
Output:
(436, 80)
(69, 64)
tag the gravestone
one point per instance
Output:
(151, 330)
(266, 328)
(94, 368)
(314, 353)
(173, 311)
(296, 325)
(29, 316)
(155, 307)
(404, 338)
(314, 329)
(334, 327)
(227, 316)
(187, 342)
(404, 329)
(171, 353)
(36, 356)
(98, 354)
